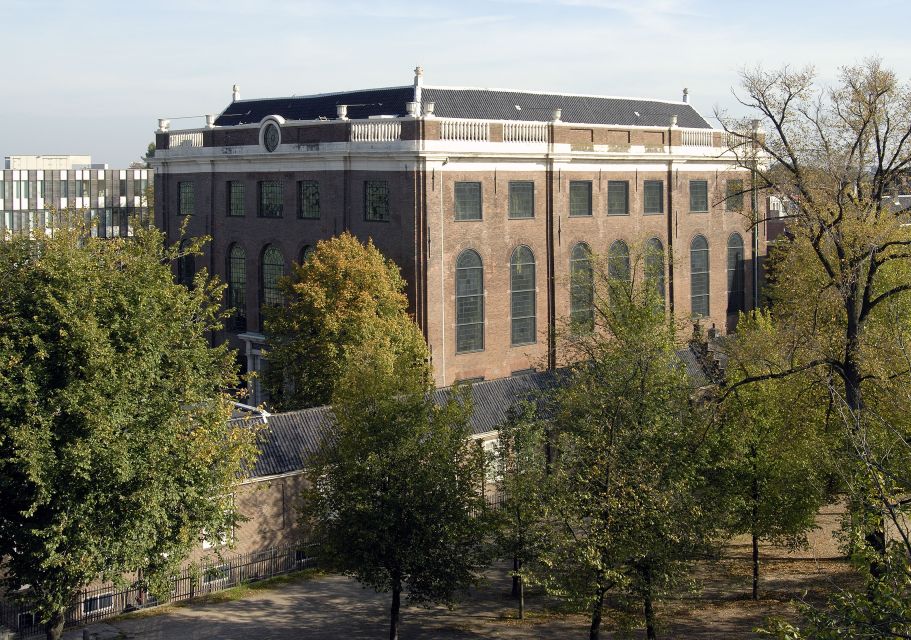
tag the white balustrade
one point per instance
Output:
(697, 137)
(471, 130)
(525, 132)
(192, 139)
(376, 131)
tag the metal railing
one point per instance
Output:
(196, 580)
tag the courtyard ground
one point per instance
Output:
(326, 607)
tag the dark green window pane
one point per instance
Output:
(580, 198)
(376, 200)
(699, 196)
(653, 198)
(467, 200)
(308, 199)
(236, 192)
(736, 273)
(271, 199)
(521, 199)
(522, 295)
(617, 197)
(699, 276)
(469, 302)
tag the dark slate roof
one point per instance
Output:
(289, 438)
(492, 399)
(361, 105)
(496, 104)
(484, 104)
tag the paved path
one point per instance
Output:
(328, 608)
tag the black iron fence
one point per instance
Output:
(196, 580)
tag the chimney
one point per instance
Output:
(341, 110)
(418, 83)
(235, 93)
(686, 94)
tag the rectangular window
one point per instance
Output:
(236, 193)
(617, 198)
(185, 195)
(699, 196)
(82, 188)
(64, 189)
(467, 200)
(96, 604)
(123, 187)
(102, 189)
(580, 198)
(733, 200)
(40, 189)
(653, 196)
(521, 199)
(271, 199)
(376, 200)
(308, 199)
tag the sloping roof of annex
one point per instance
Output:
(291, 437)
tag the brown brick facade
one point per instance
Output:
(424, 238)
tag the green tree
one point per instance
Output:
(777, 461)
(396, 492)
(840, 293)
(116, 451)
(521, 475)
(334, 301)
(622, 501)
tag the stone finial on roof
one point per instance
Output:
(686, 94)
(418, 83)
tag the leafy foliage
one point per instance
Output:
(396, 496)
(840, 293)
(623, 500)
(777, 465)
(343, 294)
(115, 446)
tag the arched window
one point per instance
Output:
(581, 289)
(469, 302)
(186, 265)
(522, 291)
(735, 273)
(237, 287)
(306, 252)
(273, 268)
(654, 266)
(699, 276)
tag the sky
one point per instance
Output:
(93, 77)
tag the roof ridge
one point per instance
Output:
(323, 95)
(553, 93)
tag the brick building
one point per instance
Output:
(33, 186)
(489, 200)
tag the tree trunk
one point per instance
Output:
(54, 627)
(754, 517)
(595, 630)
(394, 612)
(876, 538)
(515, 577)
(649, 610)
(521, 598)
(755, 566)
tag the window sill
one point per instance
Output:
(520, 218)
(522, 344)
(653, 213)
(462, 353)
(376, 220)
(617, 215)
(580, 215)
(468, 219)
